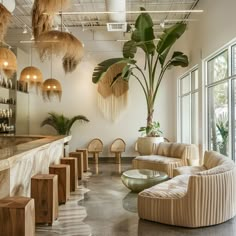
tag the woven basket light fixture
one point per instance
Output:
(33, 76)
(8, 62)
(51, 89)
(61, 43)
(42, 22)
(5, 17)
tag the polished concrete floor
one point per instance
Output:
(103, 206)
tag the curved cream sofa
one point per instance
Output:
(167, 157)
(199, 196)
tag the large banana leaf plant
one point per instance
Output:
(61, 123)
(156, 63)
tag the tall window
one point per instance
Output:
(221, 102)
(188, 109)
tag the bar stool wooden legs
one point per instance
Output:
(85, 157)
(80, 164)
(17, 216)
(44, 189)
(72, 162)
(63, 172)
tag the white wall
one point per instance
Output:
(213, 29)
(80, 97)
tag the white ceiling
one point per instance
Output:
(97, 22)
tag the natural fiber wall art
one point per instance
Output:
(61, 43)
(42, 22)
(112, 100)
(5, 17)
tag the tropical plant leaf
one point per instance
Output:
(129, 49)
(61, 123)
(80, 118)
(167, 39)
(144, 33)
(178, 59)
(103, 67)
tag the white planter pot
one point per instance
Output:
(146, 145)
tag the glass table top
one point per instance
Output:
(144, 174)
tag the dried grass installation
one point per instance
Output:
(58, 43)
(51, 89)
(112, 100)
(5, 17)
(8, 62)
(33, 76)
(42, 22)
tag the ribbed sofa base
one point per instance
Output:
(210, 200)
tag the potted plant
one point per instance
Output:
(156, 60)
(61, 123)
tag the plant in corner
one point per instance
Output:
(156, 60)
(61, 123)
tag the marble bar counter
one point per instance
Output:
(21, 157)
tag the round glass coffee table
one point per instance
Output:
(139, 179)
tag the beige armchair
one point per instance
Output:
(167, 157)
(205, 197)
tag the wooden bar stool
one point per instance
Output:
(80, 168)
(44, 190)
(95, 146)
(72, 162)
(63, 172)
(85, 157)
(17, 216)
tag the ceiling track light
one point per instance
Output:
(25, 31)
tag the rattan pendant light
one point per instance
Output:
(32, 76)
(8, 62)
(51, 88)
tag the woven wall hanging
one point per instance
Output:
(112, 100)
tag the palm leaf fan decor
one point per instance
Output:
(42, 22)
(61, 43)
(112, 98)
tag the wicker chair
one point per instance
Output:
(95, 146)
(117, 147)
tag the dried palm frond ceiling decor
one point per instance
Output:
(32, 76)
(8, 64)
(112, 99)
(51, 89)
(42, 22)
(5, 17)
(61, 43)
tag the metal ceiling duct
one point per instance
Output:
(117, 20)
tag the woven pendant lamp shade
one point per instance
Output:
(51, 88)
(5, 17)
(8, 62)
(33, 76)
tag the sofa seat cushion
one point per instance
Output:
(158, 159)
(174, 188)
(188, 170)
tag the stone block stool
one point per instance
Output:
(44, 190)
(72, 162)
(80, 168)
(85, 157)
(63, 172)
(17, 216)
